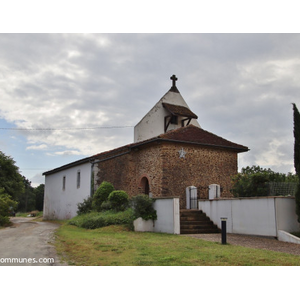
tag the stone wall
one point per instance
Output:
(168, 173)
(126, 172)
(200, 167)
(120, 171)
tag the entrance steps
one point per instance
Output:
(194, 221)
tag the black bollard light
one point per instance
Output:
(223, 227)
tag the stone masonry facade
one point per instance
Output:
(168, 174)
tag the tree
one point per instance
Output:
(10, 178)
(6, 206)
(297, 155)
(254, 181)
(27, 200)
(18, 187)
(39, 197)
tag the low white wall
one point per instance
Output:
(168, 217)
(255, 216)
(286, 214)
(284, 236)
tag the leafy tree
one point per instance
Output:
(253, 181)
(10, 178)
(6, 205)
(19, 187)
(297, 155)
(39, 197)
(27, 200)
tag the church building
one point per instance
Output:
(170, 153)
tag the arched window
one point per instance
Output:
(145, 185)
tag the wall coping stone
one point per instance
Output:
(246, 198)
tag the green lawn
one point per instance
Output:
(116, 246)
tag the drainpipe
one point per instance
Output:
(92, 177)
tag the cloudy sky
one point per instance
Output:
(91, 89)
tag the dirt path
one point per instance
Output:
(28, 243)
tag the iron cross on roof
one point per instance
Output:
(174, 79)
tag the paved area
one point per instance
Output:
(252, 242)
(28, 243)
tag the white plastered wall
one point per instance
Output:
(62, 203)
(263, 216)
(153, 123)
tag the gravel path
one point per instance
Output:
(28, 243)
(252, 242)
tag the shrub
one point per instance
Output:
(143, 207)
(95, 220)
(85, 206)
(7, 205)
(101, 195)
(106, 205)
(118, 200)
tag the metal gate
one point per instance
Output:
(191, 197)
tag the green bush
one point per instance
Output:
(85, 206)
(118, 200)
(95, 220)
(7, 205)
(101, 195)
(143, 207)
(106, 205)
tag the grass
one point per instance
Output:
(117, 246)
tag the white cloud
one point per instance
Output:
(37, 147)
(64, 153)
(240, 85)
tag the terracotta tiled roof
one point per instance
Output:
(197, 135)
(179, 110)
(189, 134)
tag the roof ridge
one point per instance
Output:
(196, 134)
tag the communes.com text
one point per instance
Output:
(26, 260)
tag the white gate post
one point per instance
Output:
(214, 191)
(188, 198)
